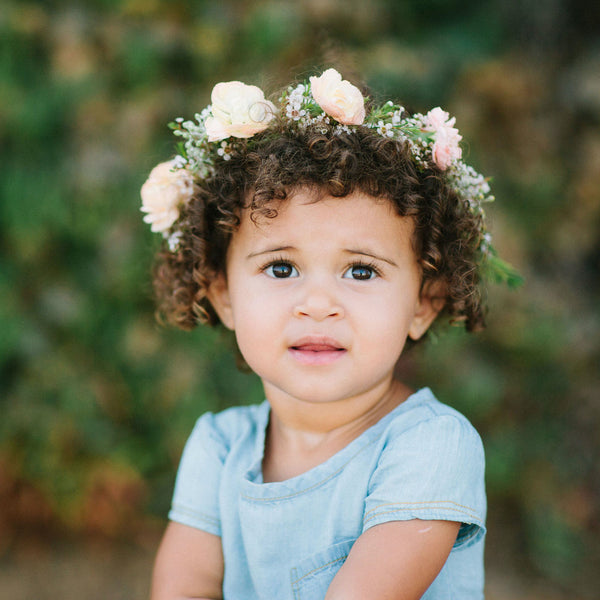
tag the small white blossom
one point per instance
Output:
(179, 162)
(174, 240)
(385, 129)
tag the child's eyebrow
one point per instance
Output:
(358, 251)
(269, 251)
(370, 255)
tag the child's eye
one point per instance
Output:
(361, 272)
(281, 270)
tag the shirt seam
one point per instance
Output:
(186, 512)
(420, 503)
(312, 487)
(319, 568)
(463, 540)
(418, 508)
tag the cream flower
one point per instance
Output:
(164, 192)
(238, 110)
(446, 147)
(338, 98)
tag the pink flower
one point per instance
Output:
(164, 192)
(437, 118)
(446, 148)
(338, 98)
(238, 110)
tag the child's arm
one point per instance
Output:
(397, 560)
(189, 565)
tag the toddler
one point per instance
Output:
(328, 233)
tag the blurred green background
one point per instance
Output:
(97, 400)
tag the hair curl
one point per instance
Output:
(264, 171)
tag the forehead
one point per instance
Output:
(312, 217)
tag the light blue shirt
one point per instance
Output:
(287, 539)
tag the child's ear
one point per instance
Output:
(431, 302)
(218, 295)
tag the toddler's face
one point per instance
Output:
(323, 297)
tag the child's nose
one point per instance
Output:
(318, 304)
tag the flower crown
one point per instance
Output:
(239, 111)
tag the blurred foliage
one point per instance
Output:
(97, 400)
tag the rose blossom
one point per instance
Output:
(165, 190)
(238, 110)
(437, 118)
(338, 98)
(446, 147)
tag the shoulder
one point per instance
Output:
(223, 429)
(430, 466)
(207, 451)
(429, 423)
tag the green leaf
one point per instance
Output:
(496, 270)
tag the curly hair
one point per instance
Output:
(261, 173)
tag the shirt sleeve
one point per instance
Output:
(434, 470)
(196, 496)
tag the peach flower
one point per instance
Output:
(238, 110)
(338, 98)
(164, 192)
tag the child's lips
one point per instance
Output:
(317, 351)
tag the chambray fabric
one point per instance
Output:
(287, 539)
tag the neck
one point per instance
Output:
(302, 435)
(325, 417)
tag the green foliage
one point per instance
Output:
(97, 399)
(499, 271)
